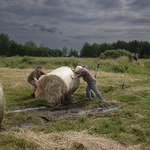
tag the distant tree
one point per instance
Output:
(13, 49)
(43, 51)
(73, 52)
(50, 53)
(4, 44)
(30, 44)
(58, 53)
(95, 48)
(65, 51)
(120, 45)
(145, 49)
(31, 49)
(9, 47)
(86, 50)
(132, 46)
(104, 47)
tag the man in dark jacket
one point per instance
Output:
(90, 80)
(82, 65)
(33, 78)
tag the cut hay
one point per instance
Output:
(57, 86)
(1, 103)
(71, 140)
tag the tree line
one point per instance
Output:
(9, 47)
(142, 48)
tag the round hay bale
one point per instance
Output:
(1, 103)
(57, 86)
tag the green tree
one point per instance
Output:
(65, 51)
(73, 52)
(120, 45)
(95, 50)
(145, 49)
(43, 51)
(86, 50)
(4, 44)
(13, 49)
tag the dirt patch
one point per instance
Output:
(70, 141)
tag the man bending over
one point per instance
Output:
(33, 78)
(90, 80)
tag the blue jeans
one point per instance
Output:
(92, 86)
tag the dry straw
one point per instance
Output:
(57, 86)
(71, 140)
(1, 103)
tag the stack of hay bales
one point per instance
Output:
(57, 86)
(1, 103)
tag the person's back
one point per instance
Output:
(90, 80)
(86, 75)
(34, 76)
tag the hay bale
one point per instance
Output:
(57, 86)
(1, 103)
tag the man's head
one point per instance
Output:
(78, 68)
(39, 68)
(80, 64)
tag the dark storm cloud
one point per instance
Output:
(112, 30)
(92, 20)
(65, 40)
(87, 37)
(44, 28)
(28, 9)
(51, 30)
(106, 4)
(53, 3)
(83, 20)
(140, 4)
(37, 25)
(141, 21)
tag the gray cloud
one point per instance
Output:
(65, 40)
(88, 37)
(51, 30)
(140, 5)
(44, 28)
(106, 4)
(141, 21)
(54, 3)
(44, 21)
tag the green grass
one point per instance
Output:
(17, 98)
(9, 141)
(112, 65)
(129, 125)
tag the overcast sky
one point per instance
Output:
(71, 23)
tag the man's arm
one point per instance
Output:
(77, 75)
(42, 73)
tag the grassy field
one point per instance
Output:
(128, 127)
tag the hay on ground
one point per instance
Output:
(71, 140)
(57, 86)
(1, 104)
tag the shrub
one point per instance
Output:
(119, 68)
(28, 60)
(102, 56)
(116, 53)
